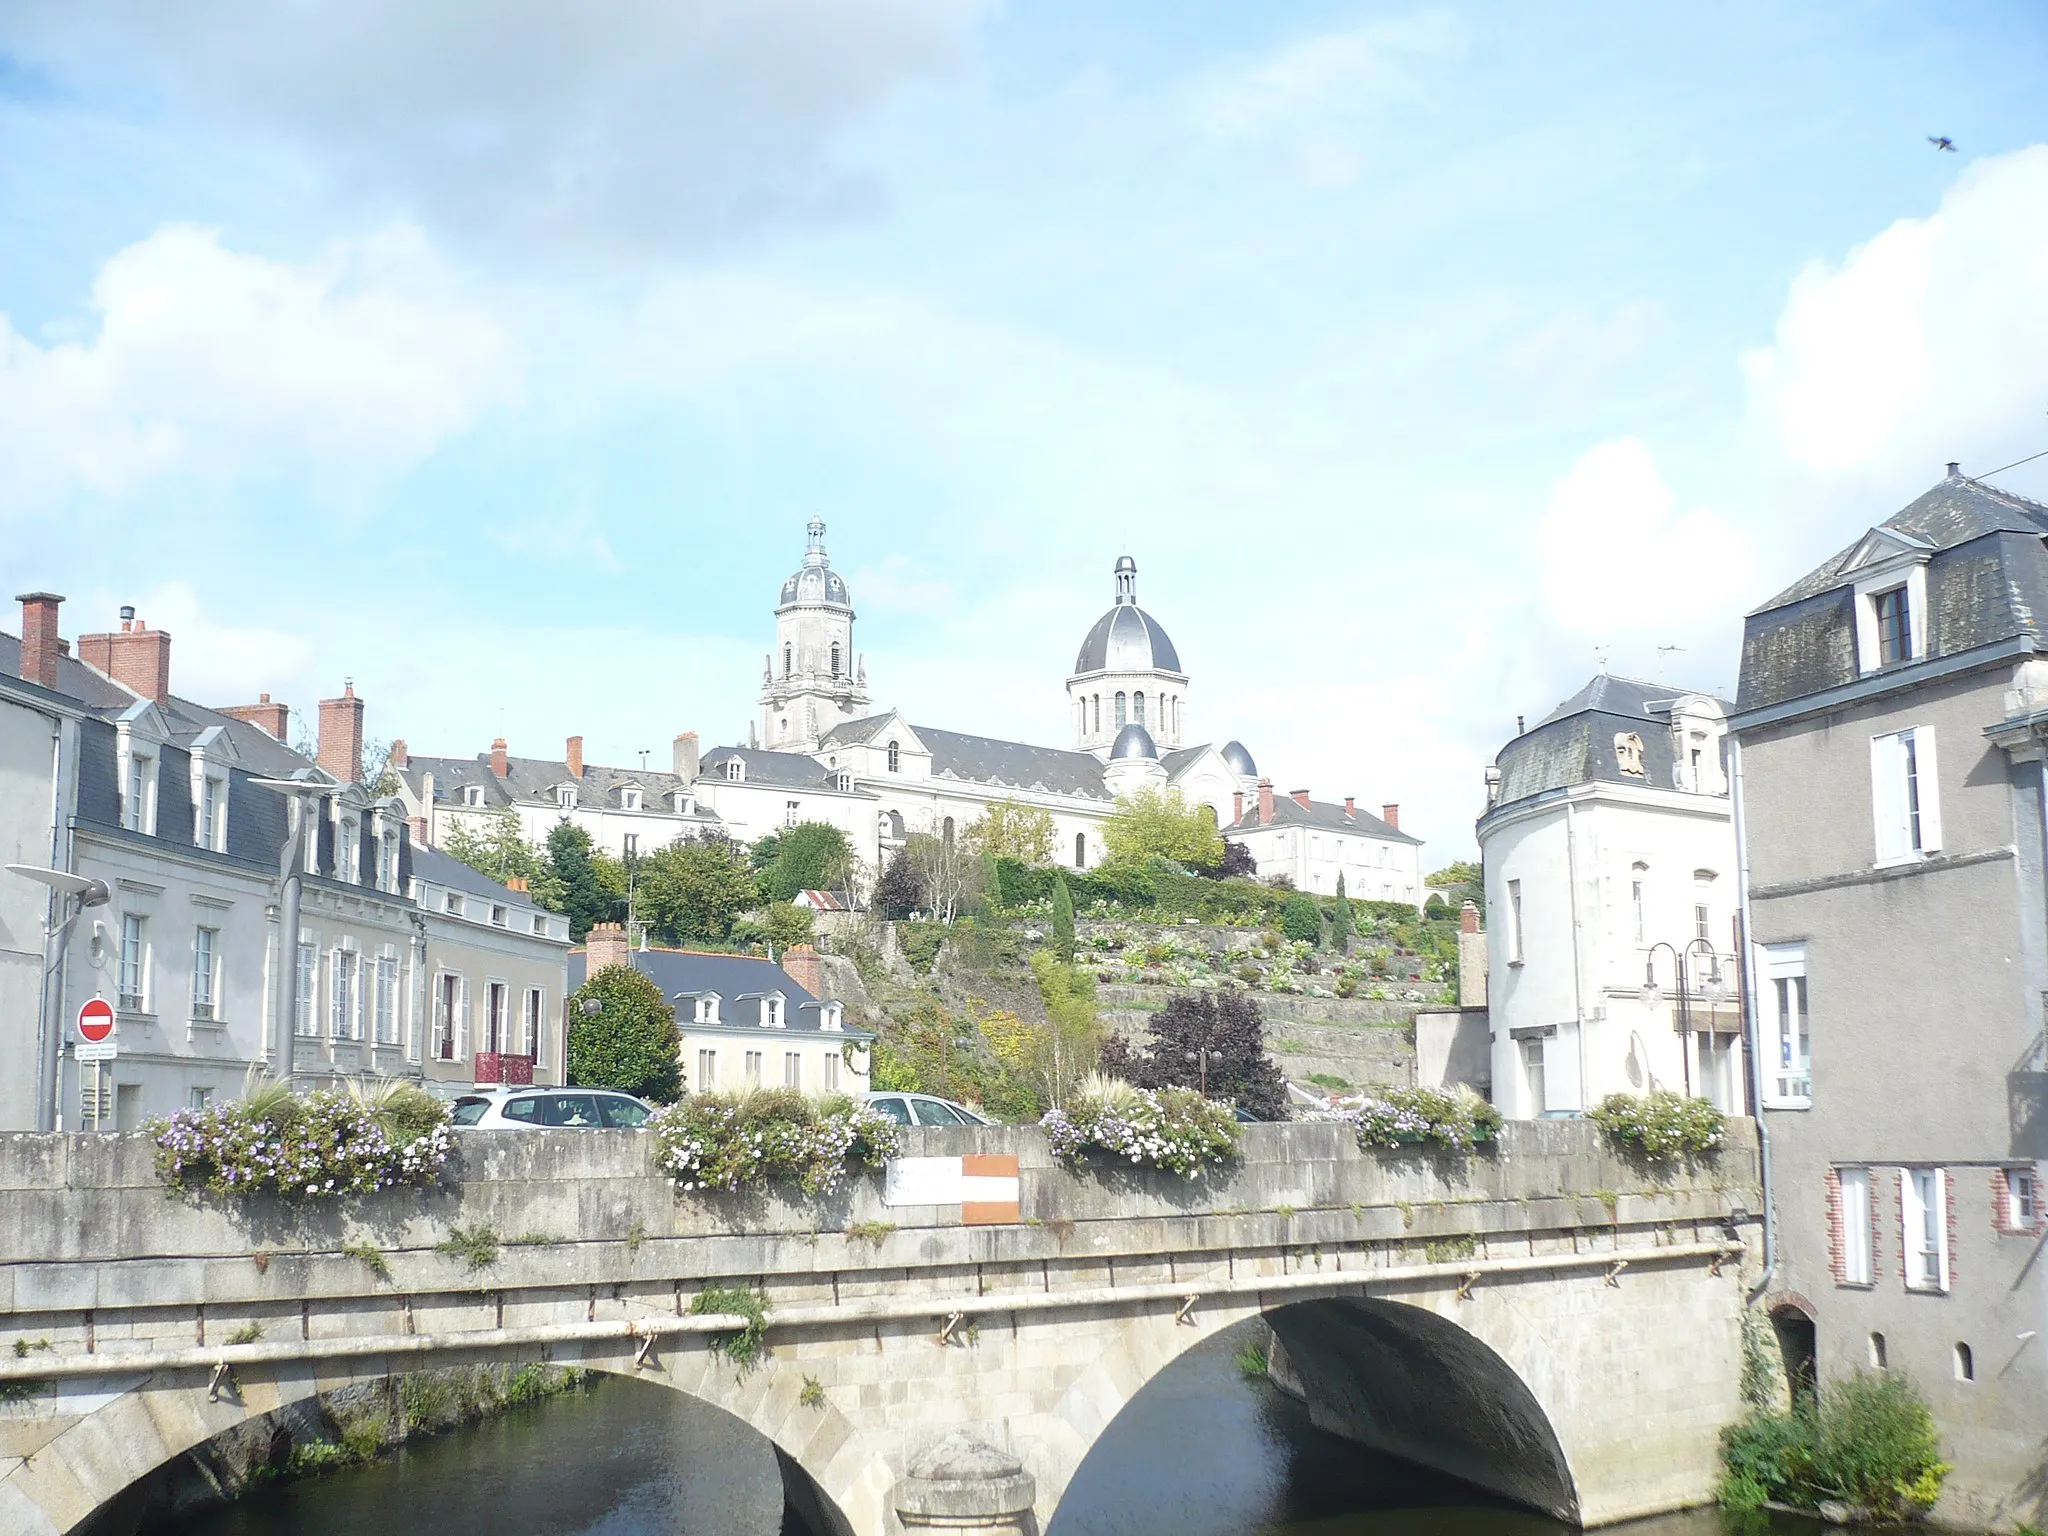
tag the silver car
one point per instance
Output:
(537, 1109)
(923, 1109)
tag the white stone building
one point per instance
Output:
(1609, 851)
(1314, 843)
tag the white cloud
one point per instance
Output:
(1927, 343)
(221, 363)
(211, 662)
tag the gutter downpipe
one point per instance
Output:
(1571, 862)
(1749, 1026)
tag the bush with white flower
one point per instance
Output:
(315, 1146)
(1394, 1117)
(1172, 1128)
(725, 1142)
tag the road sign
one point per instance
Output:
(95, 1020)
(96, 1050)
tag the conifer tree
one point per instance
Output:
(1062, 922)
(1343, 927)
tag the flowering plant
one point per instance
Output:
(1661, 1123)
(1395, 1116)
(1171, 1128)
(723, 1141)
(313, 1147)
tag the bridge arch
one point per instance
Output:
(133, 1426)
(1394, 1377)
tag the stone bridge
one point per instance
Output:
(1543, 1319)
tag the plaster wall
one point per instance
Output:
(27, 836)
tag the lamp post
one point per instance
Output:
(1202, 1058)
(1679, 955)
(77, 893)
(298, 793)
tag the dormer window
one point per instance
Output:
(681, 801)
(831, 1016)
(771, 1010)
(452, 904)
(843, 782)
(895, 758)
(735, 770)
(473, 795)
(211, 825)
(707, 1008)
(1893, 611)
(387, 862)
(565, 797)
(347, 853)
(497, 917)
(630, 798)
(1891, 614)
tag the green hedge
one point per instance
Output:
(1165, 890)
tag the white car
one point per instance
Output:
(922, 1109)
(537, 1109)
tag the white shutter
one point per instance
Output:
(1930, 792)
(1888, 798)
(462, 1019)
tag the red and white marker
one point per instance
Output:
(95, 1020)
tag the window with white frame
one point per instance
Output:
(707, 1071)
(387, 861)
(790, 810)
(449, 1004)
(1905, 802)
(771, 1010)
(134, 961)
(539, 924)
(1891, 617)
(832, 1065)
(1923, 1201)
(452, 904)
(1788, 1080)
(387, 997)
(308, 985)
(1514, 935)
(1534, 1086)
(1856, 1225)
(752, 1069)
(2022, 1199)
(629, 845)
(212, 823)
(348, 852)
(205, 972)
(895, 757)
(631, 799)
(138, 814)
(1639, 877)
(344, 995)
(497, 998)
(565, 798)
(529, 1022)
(473, 795)
(498, 916)
(1892, 611)
(735, 770)
(792, 1069)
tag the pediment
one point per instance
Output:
(1885, 547)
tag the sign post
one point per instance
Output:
(96, 1043)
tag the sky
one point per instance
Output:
(1426, 358)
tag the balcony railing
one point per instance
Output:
(504, 1069)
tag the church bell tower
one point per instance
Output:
(812, 680)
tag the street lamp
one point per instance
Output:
(1651, 992)
(77, 893)
(1203, 1057)
(297, 793)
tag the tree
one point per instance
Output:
(1301, 919)
(587, 892)
(1237, 863)
(379, 777)
(691, 891)
(1063, 921)
(810, 856)
(1160, 824)
(1342, 927)
(899, 892)
(949, 874)
(1011, 830)
(1461, 882)
(1070, 1045)
(788, 924)
(1225, 1026)
(630, 1042)
(493, 846)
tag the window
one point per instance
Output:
(735, 770)
(452, 904)
(1904, 798)
(788, 659)
(134, 964)
(540, 925)
(790, 809)
(895, 758)
(832, 1064)
(1639, 875)
(1138, 708)
(1786, 1025)
(1878, 1360)
(707, 1008)
(497, 917)
(1514, 935)
(529, 1022)
(1855, 1266)
(387, 998)
(1097, 701)
(707, 1071)
(1532, 1076)
(347, 853)
(792, 1069)
(629, 845)
(345, 1020)
(135, 815)
(1121, 707)
(210, 827)
(1966, 1363)
(448, 1010)
(309, 986)
(496, 999)
(2022, 1199)
(843, 782)
(835, 658)
(771, 1012)
(1924, 1209)
(199, 1098)
(1893, 612)
(630, 798)
(1080, 850)
(946, 832)
(473, 795)
(387, 862)
(205, 971)
(753, 1070)
(565, 798)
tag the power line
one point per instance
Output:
(2015, 464)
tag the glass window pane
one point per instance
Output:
(527, 1110)
(570, 1109)
(891, 1109)
(931, 1113)
(623, 1114)
(469, 1111)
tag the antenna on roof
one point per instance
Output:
(1600, 656)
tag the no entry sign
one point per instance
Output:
(96, 1020)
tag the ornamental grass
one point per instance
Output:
(1176, 1129)
(314, 1146)
(727, 1142)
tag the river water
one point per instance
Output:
(1202, 1452)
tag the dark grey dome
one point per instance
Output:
(816, 584)
(1133, 741)
(1127, 639)
(1240, 761)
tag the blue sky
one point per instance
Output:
(494, 356)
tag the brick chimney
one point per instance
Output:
(341, 736)
(135, 656)
(499, 763)
(1391, 815)
(685, 757)
(399, 756)
(800, 963)
(606, 946)
(1236, 806)
(264, 715)
(1300, 797)
(515, 883)
(39, 643)
(419, 829)
(1350, 806)
(1265, 801)
(1468, 918)
(575, 756)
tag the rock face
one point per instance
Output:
(961, 1483)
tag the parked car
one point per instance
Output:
(923, 1109)
(535, 1109)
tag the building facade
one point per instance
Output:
(1315, 843)
(1609, 853)
(1891, 728)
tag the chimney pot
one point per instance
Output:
(1265, 802)
(399, 756)
(1350, 806)
(605, 946)
(1468, 918)
(1954, 468)
(40, 646)
(500, 765)
(1300, 797)
(340, 749)
(685, 757)
(1391, 815)
(575, 756)
(267, 717)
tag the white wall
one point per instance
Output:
(27, 736)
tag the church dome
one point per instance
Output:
(1240, 760)
(1127, 638)
(1133, 741)
(815, 581)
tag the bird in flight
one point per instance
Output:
(1944, 142)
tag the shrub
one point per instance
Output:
(1171, 1128)
(1301, 919)
(630, 1042)
(1868, 1442)
(727, 1142)
(1661, 1123)
(921, 943)
(316, 1147)
(1395, 1117)
(744, 1348)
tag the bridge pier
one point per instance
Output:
(965, 1485)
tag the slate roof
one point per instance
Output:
(1322, 816)
(855, 733)
(1012, 764)
(1987, 580)
(431, 864)
(1127, 639)
(1574, 743)
(536, 780)
(689, 973)
(787, 770)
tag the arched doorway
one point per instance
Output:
(1798, 1349)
